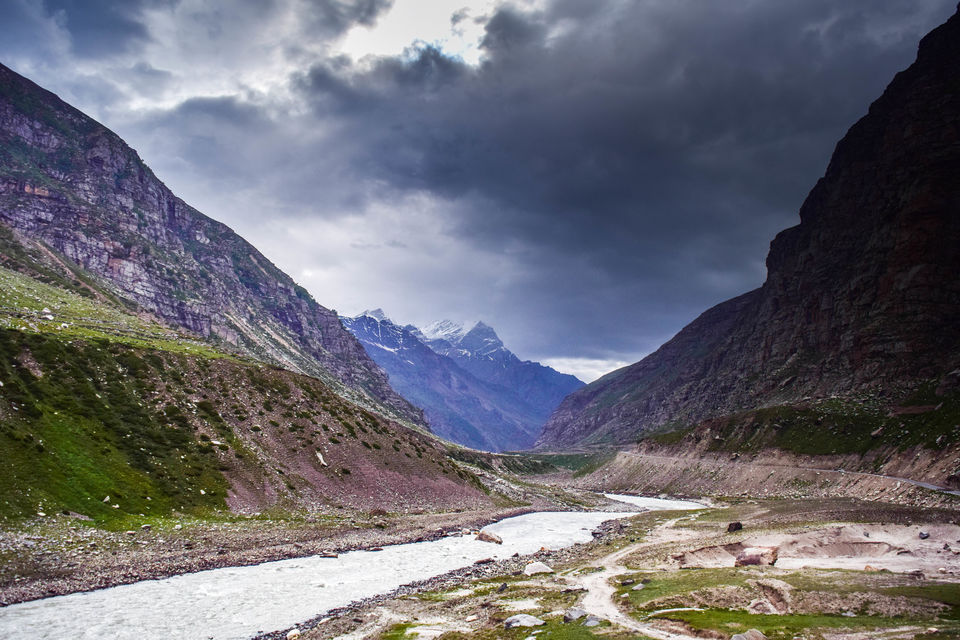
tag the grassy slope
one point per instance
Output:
(832, 426)
(99, 402)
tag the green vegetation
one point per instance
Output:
(776, 627)
(32, 306)
(841, 426)
(76, 431)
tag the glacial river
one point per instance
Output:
(241, 602)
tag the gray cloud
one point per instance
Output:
(606, 173)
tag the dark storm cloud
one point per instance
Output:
(100, 27)
(610, 170)
(657, 146)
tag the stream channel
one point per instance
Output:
(241, 602)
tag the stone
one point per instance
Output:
(592, 621)
(756, 556)
(503, 587)
(293, 633)
(638, 587)
(752, 634)
(924, 535)
(573, 613)
(486, 536)
(734, 526)
(522, 620)
(535, 568)
(145, 527)
(762, 606)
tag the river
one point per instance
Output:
(240, 602)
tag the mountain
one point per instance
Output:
(459, 404)
(72, 186)
(861, 299)
(480, 351)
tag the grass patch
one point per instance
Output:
(775, 627)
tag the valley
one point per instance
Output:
(193, 446)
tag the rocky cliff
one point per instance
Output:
(72, 185)
(862, 296)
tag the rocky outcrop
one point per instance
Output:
(71, 184)
(862, 295)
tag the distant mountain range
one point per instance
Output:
(473, 390)
(862, 298)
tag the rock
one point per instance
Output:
(638, 587)
(592, 621)
(752, 556)
(145, 527)
(471, 618)
(573, 613)
(486, 536)
(177, 527)
(627, 582)
(130, 533)
(502, 588)
(107, 499)
(762, 606)
(752, 634)
(924, 535)
(522, 620)
(293, 633)
(536, 567)
(734, 526)
(485, 561)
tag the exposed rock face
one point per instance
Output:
(460, 405)
(862, 294)
(75, 186)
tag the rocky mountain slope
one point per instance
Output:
(70, 184)
(480, 351)
(861, 297)
(106, 414)
(459, 405)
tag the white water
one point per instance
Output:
(240, 602)
(655, 504)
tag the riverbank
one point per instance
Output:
(58, 555)
(851, 569)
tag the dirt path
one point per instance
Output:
(599, 599)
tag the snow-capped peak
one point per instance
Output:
(444, 330)
(376, 314)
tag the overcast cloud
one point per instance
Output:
(585, 176)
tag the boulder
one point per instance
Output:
(486, 536)
(752, 634)
(753, 556)
(293, 633)
(924, 535)
(592, 621)
(573, 613)
(536, 567)
(522, 620)
(734, 526)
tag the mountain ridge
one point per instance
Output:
(459, 405)
(71, 184)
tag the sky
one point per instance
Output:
(586, 176)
